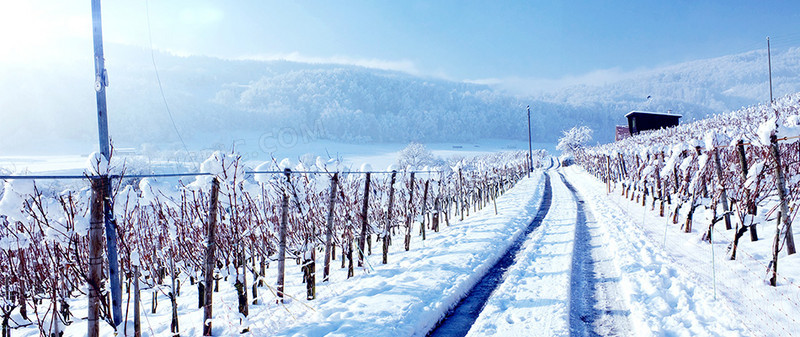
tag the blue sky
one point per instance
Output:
(483, 41)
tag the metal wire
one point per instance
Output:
(195, 174)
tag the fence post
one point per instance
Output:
(282, 236)
(773, 281)
(781, 186)
(95, 258)
(329, 228)
(751, 206)
(410, 214)
(137, 325)
(386, 236)
(211, 245)
(362, 239)
(724, 196)
(659, 193)
(461, 194)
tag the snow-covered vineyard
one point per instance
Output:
(307, 213)
(728, 185)
(632, 241)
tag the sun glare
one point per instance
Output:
(30, 29)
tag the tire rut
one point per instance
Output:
(460, 318)
(596, 308)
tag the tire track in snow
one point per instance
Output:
(596, 308)
(459, 320)
(665, 295)
(533, 299)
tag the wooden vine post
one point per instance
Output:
(329, 227)
(173, 293)
(781, 186)
(410, 216)
(724, 196)
(659, 187)
(95, 258)
(461, 193)
(282, 237)
(211, 245)
(608, 174)
(747, 203)
(751, 206)
(776, 244)
(137, 321)
(424, 207)
(386, 233)
(362, 239)
(434, 226)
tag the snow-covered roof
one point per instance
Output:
(653, 113)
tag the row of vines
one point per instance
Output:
(742, 168)
(230, 223)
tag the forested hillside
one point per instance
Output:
(209, 96)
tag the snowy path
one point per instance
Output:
(564, 282)
(408, 296)
(460, 319)
(665, 296)
(596, 305)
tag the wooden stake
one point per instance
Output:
(362, 239)
(282, 237)
(211, 245)
(781, 186)
(776, 244)
(410, 214)
(386, 234)
(95, 258)
(137, 299)
(329, 228)
(724, 196)
(751, 206)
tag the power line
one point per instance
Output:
(158, 77)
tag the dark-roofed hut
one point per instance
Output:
(639, 121)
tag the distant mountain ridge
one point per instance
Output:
(209, 96)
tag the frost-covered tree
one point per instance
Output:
(416, 155)
(574, 139)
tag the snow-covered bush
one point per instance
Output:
(574, 139)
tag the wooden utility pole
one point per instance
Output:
(530, 144)
(101, 82)
(769, 64)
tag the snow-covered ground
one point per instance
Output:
(677, 285)
(534, 297)
(408, 296)
(405, 297)
(599, 264)
(564, 281)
